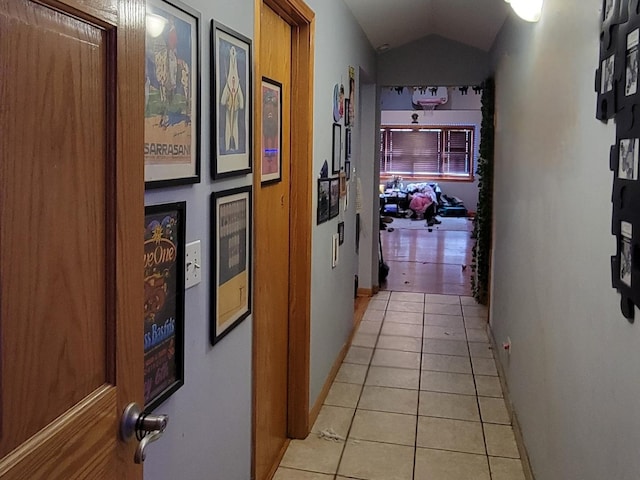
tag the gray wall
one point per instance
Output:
(433, 60)
(369, 172)
(209, 435)
(339, 43)
(575, 362)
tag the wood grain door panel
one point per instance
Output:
(71, 211)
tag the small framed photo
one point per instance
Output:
(608, 65)
(343, 184)
(335, 250)
(334, 197)
(324, 193)
(231, 260)
(609, 12)
(341, 232)
(337, 148)
(164, 244)
(346, 111)
(271, 132)
(347, 169)
(230, 102)
(631, 61)
(628, 158)
(172, 95)
(347, 144)
(626, 231)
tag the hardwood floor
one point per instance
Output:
(436, 261)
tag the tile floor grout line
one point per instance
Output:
(415, 441)
(475, 386)
(364, 381)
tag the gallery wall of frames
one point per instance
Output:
(172, 157)
(618, 96)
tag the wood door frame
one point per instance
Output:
(301, 18)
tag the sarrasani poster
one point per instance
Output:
(171, 96)
(163, 301)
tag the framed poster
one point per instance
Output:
(230, 102)
(323, 200)
(172, 95)
(164, 242)
(334, 197)
(271, 134)
(231, 260)
(336, 149)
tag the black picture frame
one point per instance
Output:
(271, 132)
(334, 197)
(173, 125)
(164, 246)
(346, 112)
(231, 214)
(324, 199)
(336, 150)
(341, 233)
(347, 144)
(347, 169)
(231, 109)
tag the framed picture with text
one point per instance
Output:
(231, 101)
(271, 134)
(231, 260)
(164, 245)
(172, 95)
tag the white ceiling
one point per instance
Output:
(397, 22)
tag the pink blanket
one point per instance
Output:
(420, 201)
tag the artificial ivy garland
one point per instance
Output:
(482, 225)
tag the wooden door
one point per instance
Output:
(271, 306)
(283, 217)
(71, 221)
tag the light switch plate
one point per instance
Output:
(192, 264)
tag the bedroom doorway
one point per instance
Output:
(429, 142)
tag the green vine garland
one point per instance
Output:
(482, 225)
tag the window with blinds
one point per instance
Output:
(427, 153)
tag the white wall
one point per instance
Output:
(575, 362)
(466, 191)
(209, 434)
(339, 43)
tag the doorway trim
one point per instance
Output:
(301, 19)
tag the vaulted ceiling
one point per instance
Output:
(398, 22)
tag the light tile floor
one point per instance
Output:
(416, 398)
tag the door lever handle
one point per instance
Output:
(146, 427)
(140, 455)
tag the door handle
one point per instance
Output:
(146, 427)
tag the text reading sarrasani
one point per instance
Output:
(167, 149)
(159, 333)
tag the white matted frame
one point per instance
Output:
(231, 101)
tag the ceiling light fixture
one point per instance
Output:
(383, 48)
(529, 10)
